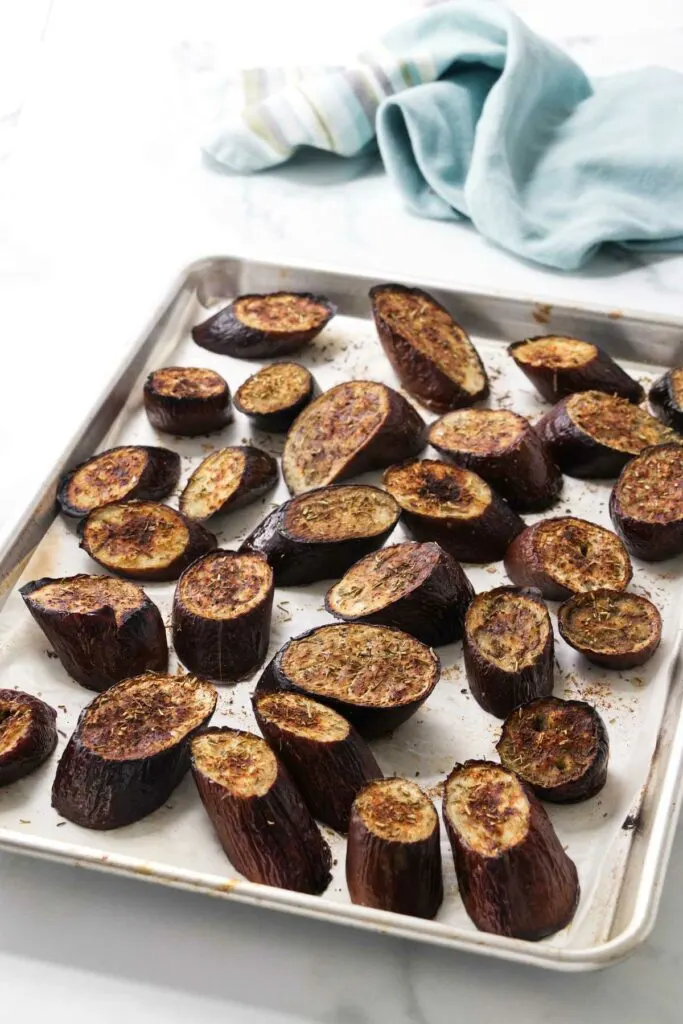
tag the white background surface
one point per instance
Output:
(103, 195)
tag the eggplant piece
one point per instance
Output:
(274, 397)
(559, 748)
(666, 398)
(646, 503)
(228, 479)
(591, 434)
(325, 756)
(375, 676)
(611, 627)
(102, 629)
(28, 734)
(130, 749)
(350, 429)
(258, 814)
(143, 540)
(514, 876)
(565, 555)
(418, 588)
(393, 855)
(559, 366)
(187, 400)
(259, 326)
(454, 507)
(221, 615)
(119, 474)
(321, 533)
(431, 354)
(506, 452)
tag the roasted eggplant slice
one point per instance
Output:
(102, 629)
(611, 627)
(257, 812)
(509, 649)
(120, 474)
(143, 540)
(259, 326)
(505, 450)
(513, 873)
(130, 749)
(228, 479)
(594, 435)
(646, 504)
(321, 533)
(559, 366)
(666, 398)
(455, 508)
(565, 556)
(432, 355)
(187, 400)
(221, 615)
(558, 747)
(352, 428)
(327, 759)
(375, 676)
(418, 588)
(28, 734)
(393, 856)
(274, 397)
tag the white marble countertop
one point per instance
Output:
(103, 197)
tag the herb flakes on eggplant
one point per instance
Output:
(187, 400)
(228, 479)
(611, 628)
(646, 504)
(274, 397)
(119, 474)
(28, 734)
(259, 326)
(666, 398)
(559, 366)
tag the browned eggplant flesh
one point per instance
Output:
(130, 749)
(102, 629)
(258, 326)
(666, 398)
(508, 648)
(646, 504)
(416, 587)
(558, 747)
(119, 474)
(28, 734)
(505, 450)
(454, 507)
(565, 556)
(592, 434)
(350, 429)
(393, 856)
(228, 479)
(559, 366)
(321, 533)
(274, 397)
(375, 676)
(327, 759)
(513, 873)
(144, 540)
(611, 627)
(258, 814)
(432, 354)
(221, 615)
(187, 400)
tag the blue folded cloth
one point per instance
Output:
(477, 117)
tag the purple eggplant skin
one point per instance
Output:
(258, 476)
(227, 335)
(528, 891)
(36, 740)
(433, 611)
(660, 538)
(496, 689)
(157, 480)
(278, 421)
(190, 414)
(95, 649)
(328, 775)
(270, 839)
(577, 453)
(666, 398)
(600, 373)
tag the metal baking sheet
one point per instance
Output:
(620, 840)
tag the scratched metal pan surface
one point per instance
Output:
(620, 840)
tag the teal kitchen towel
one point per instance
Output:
(477, 117)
